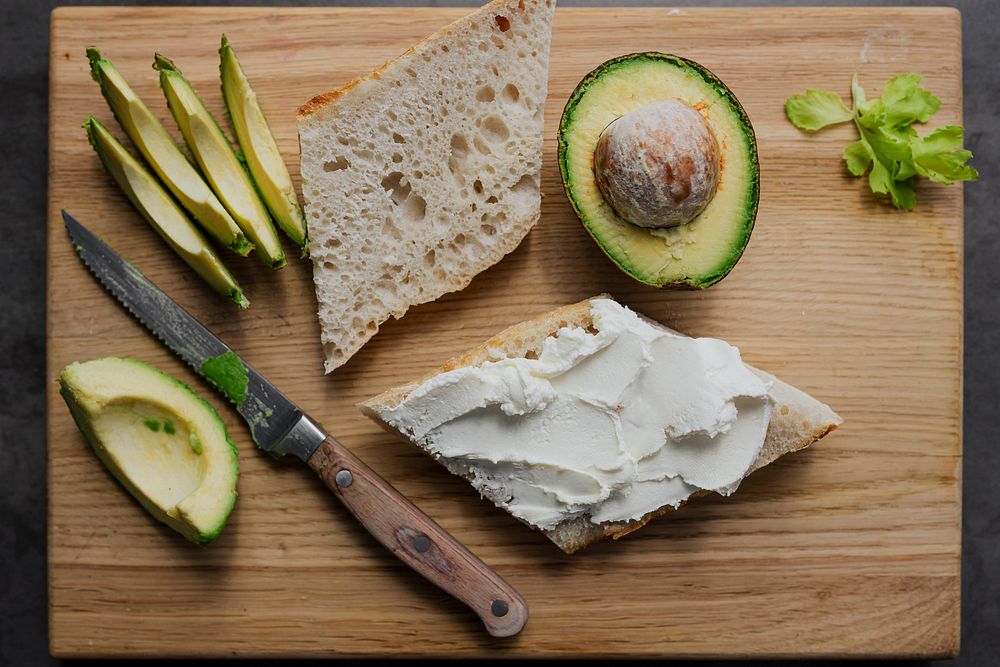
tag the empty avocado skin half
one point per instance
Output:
(166, 446)
(694, 255)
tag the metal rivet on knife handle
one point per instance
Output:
(499, 608)
(421, 543)
(344, 478)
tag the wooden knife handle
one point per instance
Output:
(418, 541)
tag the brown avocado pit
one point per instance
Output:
(658, 165)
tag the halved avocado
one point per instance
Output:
(165, 445)
(701, 252)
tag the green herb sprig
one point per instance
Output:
(888, 143)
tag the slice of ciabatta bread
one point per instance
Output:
(426, 171)
(797, 419)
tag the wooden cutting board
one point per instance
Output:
(851, 548)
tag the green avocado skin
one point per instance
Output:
(753, 191)
(83, 422)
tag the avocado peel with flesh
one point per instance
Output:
(191, 489)
(696, 254)
(259, 148)
(165, 157)
(162, 212)
(220, 163)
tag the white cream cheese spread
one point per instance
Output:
(611, 425)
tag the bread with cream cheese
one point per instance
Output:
(797, 419)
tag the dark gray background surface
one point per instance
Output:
(23, 166)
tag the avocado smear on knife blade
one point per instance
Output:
(228, 374)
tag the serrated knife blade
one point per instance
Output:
(276, 424)
(280, 427)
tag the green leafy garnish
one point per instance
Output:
(888, 144)
(815, 109)
(153, 425)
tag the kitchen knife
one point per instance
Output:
(279, 427)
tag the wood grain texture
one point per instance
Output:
(851, 548)
(418, 541)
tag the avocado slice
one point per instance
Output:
(701, 252)
(269, 171)
(162, 212)
(184, 474)
(165, 157)
(219, 163)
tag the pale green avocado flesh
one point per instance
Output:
(165, 157)
(162, 212)
(697, 254)
(214, 154)
(166, 446)
(259, 147)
